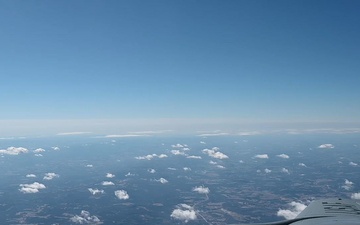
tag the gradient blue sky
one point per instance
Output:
(287, 61)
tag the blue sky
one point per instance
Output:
(262, 61)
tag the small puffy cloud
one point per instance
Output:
(355, 196)
(38, 155)
(220, 166)
(129, 174)
(187, 169)
(353, 164)
(31, 175)
(262, 156)
(284, 156)
(184, 212)
(31, 188)
(109, 175)
(95, 191)
(241, 161)
(214, 152)
(85, 218)
(178, 146)
(267, 170)
(151, 156)
(107, 183)
(202, 142)
(38, 150)
(326, 146)
(348, 185)
(177, 152)
(14, 151)
(249, 133)
(302, 164)
(73, 133)
(213, 134)
(193, 157)
(212, 162)
(151, 170)
(50, 176)
(89, 165)
(162, 180)
(121, 194)
(201, 190)
(125, 135)
(295, 209)
(55, 148)
(284, 170)
(171, 168)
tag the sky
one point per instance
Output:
(69, 65)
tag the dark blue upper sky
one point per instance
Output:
(255, 60)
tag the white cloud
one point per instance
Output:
(302, 164)
(171, 168)
(187, 169)
(193, 157)
(348, 185)
(38, 150)
(31, 188)
(213, 134)
(178, 146)
(212, 162)
(95, 191)
(55, 148)
(284, 156)
(109, 175)
(326, 146)
(89, 165)
(214, 152)
(249, 133)
(14, 150)
(50, 176)
(73, 133)
(129, 174)
(121, 194)
(151, 170)
(125, 135)
(220, 166)
(202, 142)
(38, 155)
(262, 156)
(241, 161)
(284, 170)
(31, 175)
(267, 170)
(177, 152)
(355, 196)
(353, 164)
(85, 218)
(150, 157)
(201, 190)
(107, 183)
(162, 180)
(184, 212)
(295, 209)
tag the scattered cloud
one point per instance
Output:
(212, 162)
(353, 164)
(171, 168)
(150, 157)
(214, 152)
(162, 180)
(38, 150)
(109, 175)
(201, 190)
(193, 157)
(220, 166)
(31, 175)
(348, 185)
(95, 191)
(326, 146)
(178, 146)
(121, 194)
(38, 155)
(150, 132)
(213, 134)
(202, 142)
(284, 170)
(302, 164)
(14, 150)
(295, 209)
(31, 188)
(107, 183)
(89, 165)
(151, 170)
(262, 156)
(249, 133)
(129, 174)
(73, 133)
(177, 152)
(184, 212)
(267, 170)
(187, 169)
(55, 148)
(85, 218)
(284, 156)
(50, 176)
(355, 196)
(126, 135)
